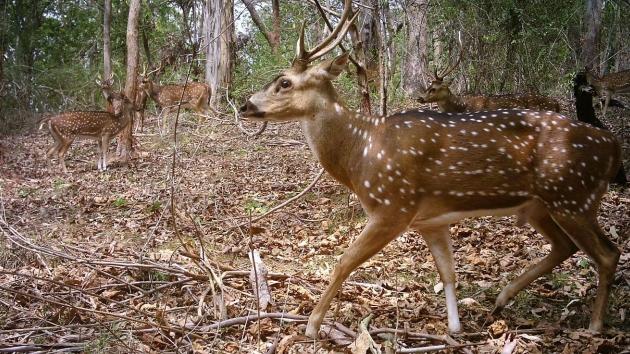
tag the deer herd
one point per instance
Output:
(420, 169)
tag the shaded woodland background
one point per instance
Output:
(153, 255)
(52, 50)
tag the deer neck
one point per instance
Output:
(337, 137)
(452, 103)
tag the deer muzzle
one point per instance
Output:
(250, 110)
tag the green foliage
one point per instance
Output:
(53, 48)
(120, 202)
(253, 206)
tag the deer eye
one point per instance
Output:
(284, 83)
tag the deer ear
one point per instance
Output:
(331, 68)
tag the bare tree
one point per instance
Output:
(415, 67)
(358, 58)
(272, 36)
(219, 28)
(3, 24)
(131, 82)
(592, 24)
(107, 49)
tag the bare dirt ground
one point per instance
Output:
(95, 262)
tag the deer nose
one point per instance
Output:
(248, 106)
(250, 110)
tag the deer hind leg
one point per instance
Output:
(104, 147)
(53, 151)
(61, 153)
(561, 248)
(606, 102)
(371, 240)
(441, 247)
(58, 143)
(585, 232)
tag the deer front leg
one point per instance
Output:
(104, 145)
(606, 102)
(439, 241)
(373, 238)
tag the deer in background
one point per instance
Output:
(99, 125)
(139, 103)
(440, 92)
(425, 170)
(608, 85)
(196, 95)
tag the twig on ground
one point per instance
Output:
(283, 204)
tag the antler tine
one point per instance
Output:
(314, 55)
(153, 71)
(304, 56)
(300, 50)
(449, 69)
(436, 77)
(347, 9)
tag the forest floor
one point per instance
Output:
(101, 263)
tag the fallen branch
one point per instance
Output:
(258, 280)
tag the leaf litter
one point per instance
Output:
(90, 261)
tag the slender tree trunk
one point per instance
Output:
(220, 40)
(415, 67)
(273, 36)
(107, 49)
(3, 25)
(381, 42)
(362, 75)
(145, 47)
(592, 24)
(126, 137)
(622, 45)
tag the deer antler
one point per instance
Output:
(449, 68)
(108, 82)
(304, 56)
(144, 70)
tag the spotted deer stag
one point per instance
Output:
(424, 170)
(440, 93)
(608, 85)
(196, 95)
(99, 125)
(139, 103)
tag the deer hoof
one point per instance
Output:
(312, 331)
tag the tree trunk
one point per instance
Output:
(592, 24)
(220, 40)
(126, 137)
(381, 42)
(272, 37)
(107, 49)
(362, 75)
(415, 67)
(145, 47)
(3, 23)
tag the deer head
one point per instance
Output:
(298, 92)
(106, 85)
